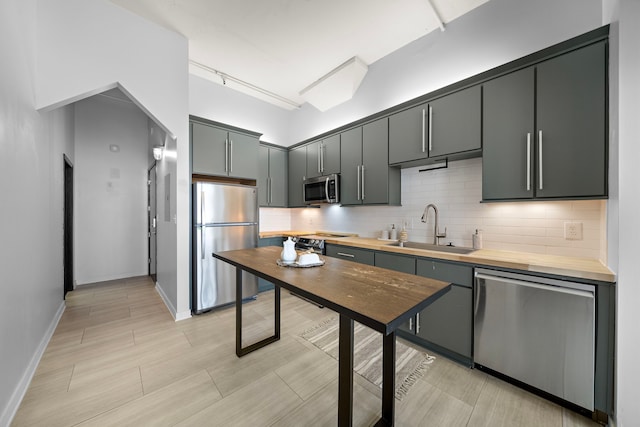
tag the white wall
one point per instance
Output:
(31, 188)
(86, 46)
(624, 229)
(110, 190)
(216, 102)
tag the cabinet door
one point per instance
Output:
(313, 159)
(351, 160)
(263, 176)
(330, 155)
(407, 136)
(455, 123)
(208, 150)
(297, 173)
(243, 156)
(445, 271)
(571, 114)
(278, 178)
(363, 256)
(447, 322)
(508, 136)
(379, 180)
(402, 263)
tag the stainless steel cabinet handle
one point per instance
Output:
(423, 129)
(326, 190)
(411, 324)
(303, 178)
(362, 172)
(540, 156)
(358, 173)
(528, 161)
(430, 128)
(417, 323)
(319, 158)
(230, 155)
(226, 155)
(347, 255)
(322, 157)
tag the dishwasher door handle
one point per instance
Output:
(552, 288)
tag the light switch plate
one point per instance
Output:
(573, 231)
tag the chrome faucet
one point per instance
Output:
(436, 231)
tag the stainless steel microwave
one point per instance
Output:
(322, 189)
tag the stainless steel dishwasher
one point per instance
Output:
(538, 331)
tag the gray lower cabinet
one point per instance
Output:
(446, 325)
(264, 285)
(363, 256)
(221, 152)
(402, 263)
(544, 129)
(323, 157)
(297, 174)
(365, 175)
(272, 180)
(440, 128)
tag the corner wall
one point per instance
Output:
(31, 186)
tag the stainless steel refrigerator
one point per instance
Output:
(225, 217)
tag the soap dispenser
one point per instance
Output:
(394, 232)
(477, 239)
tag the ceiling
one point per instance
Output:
(275, 49)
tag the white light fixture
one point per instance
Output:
(157, 152)
(337, 86)
(114, 148)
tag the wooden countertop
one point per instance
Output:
(574, 267)
(379, 298)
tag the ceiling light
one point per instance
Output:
(337, 86)
(114, 148)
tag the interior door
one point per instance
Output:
(153, 222)
(68, 226)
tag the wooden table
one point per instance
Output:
(378, 298)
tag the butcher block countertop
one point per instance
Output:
(579, 268)
(572, 267)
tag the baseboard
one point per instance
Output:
(176, 316)
(18, 394)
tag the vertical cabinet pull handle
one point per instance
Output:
(358, 173)
(319, 157)
(230, 155)
(303, 178)
(362, 172)
(529, 161)
(430, 128)
(423, 141)
(540, 157)
(417, 323)
(411, 324)
(226, 155)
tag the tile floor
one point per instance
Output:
(117, 358)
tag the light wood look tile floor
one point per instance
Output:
(117, 358)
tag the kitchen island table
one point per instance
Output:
(378, 298)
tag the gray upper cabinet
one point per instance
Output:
(571, 116)
(323, 157)
(216, 151)
(545, 129)
(440, 128)
(455, 123)
(365, 175)
(508, 135)
(297, 173)
(272, 182)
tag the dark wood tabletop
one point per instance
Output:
(378, 298)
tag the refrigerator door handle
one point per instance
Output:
(202, 256)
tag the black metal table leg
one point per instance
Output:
(242, 351)
(345, 372)
(388, 379)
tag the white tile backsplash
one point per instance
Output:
(536, 227)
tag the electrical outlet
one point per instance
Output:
(573, 231)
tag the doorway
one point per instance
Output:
(68, 226)
(152, 221)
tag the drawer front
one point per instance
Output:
(362, 256)
(400, 263)
(451, 273)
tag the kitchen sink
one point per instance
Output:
(437, 248)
